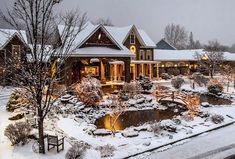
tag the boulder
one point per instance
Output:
(147, 143)
(205, 104)
(102, 132)
(140, 101)
(130, 133)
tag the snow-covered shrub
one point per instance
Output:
(177, 82)
(156, 128)
(106, 150)
(145, 83)
(199, 78)
(168, 125)
(133, 88)
(173, 71)
(77, 151)
(165, 76)
(89, 91)
(215, 87)
(217, 119)
(18, 132)
(16, 100)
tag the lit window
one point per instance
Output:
(148, 55)
(16, 54)
(141, 55)
(132, 38)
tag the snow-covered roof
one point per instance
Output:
(184, 55)
(101, 52)
(117, 35)
(147, 40)
(7, 34)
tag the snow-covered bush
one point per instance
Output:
(199, 78)
(215, 87)
(217, 119)
(18, 132)
(177, 82)
(106, 150)
(16, 100)
(89, 91)
(133, 88)
(156, 128)
(145, 83)
(173, 71)
(77, 151)
(165, 76)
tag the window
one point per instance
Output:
(148, 55)
(132, 38)
(141, 55)
(16, 54)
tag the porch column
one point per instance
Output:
(127, 63)
(102, 71)
(115, 72)
(157, 71)
(150, 71)
(142, 69)
(134, 71)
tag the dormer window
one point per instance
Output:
(132, 38)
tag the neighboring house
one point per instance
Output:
(164, 45)
(111, 54)
(182, 62)
(13, 46)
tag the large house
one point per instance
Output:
(111, 54)
(13, 45)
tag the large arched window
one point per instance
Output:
(169, 64)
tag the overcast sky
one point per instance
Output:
(207, 19)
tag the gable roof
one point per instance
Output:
(106, 32)
(164, 45)
(6, 35)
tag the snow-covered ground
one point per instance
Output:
(80, 130)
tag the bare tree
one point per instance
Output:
(228, 74)
(191, 44)
(212, 58)
(106, 22)
(35, 73)
(176, 35)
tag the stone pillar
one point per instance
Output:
(127, 63)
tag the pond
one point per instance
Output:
(213, 100)
(134, 118)
(108, 89)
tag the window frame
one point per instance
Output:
(141, 54)
(148, 54)
(132, 42)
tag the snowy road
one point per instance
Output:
(215, 145)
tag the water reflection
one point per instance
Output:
(214, 100)
(133, 118)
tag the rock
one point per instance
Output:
(140, 101)
(176, 121)
(102, 132)
(168, 125)
(15, 116)
(130, 133)
(66, 98)
(141, 128)
(147, 143)
(205, 104)
(189, 132)
(203, 114)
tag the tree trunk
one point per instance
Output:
(41, 136)
(227, 85)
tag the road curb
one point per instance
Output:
(189, 137)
